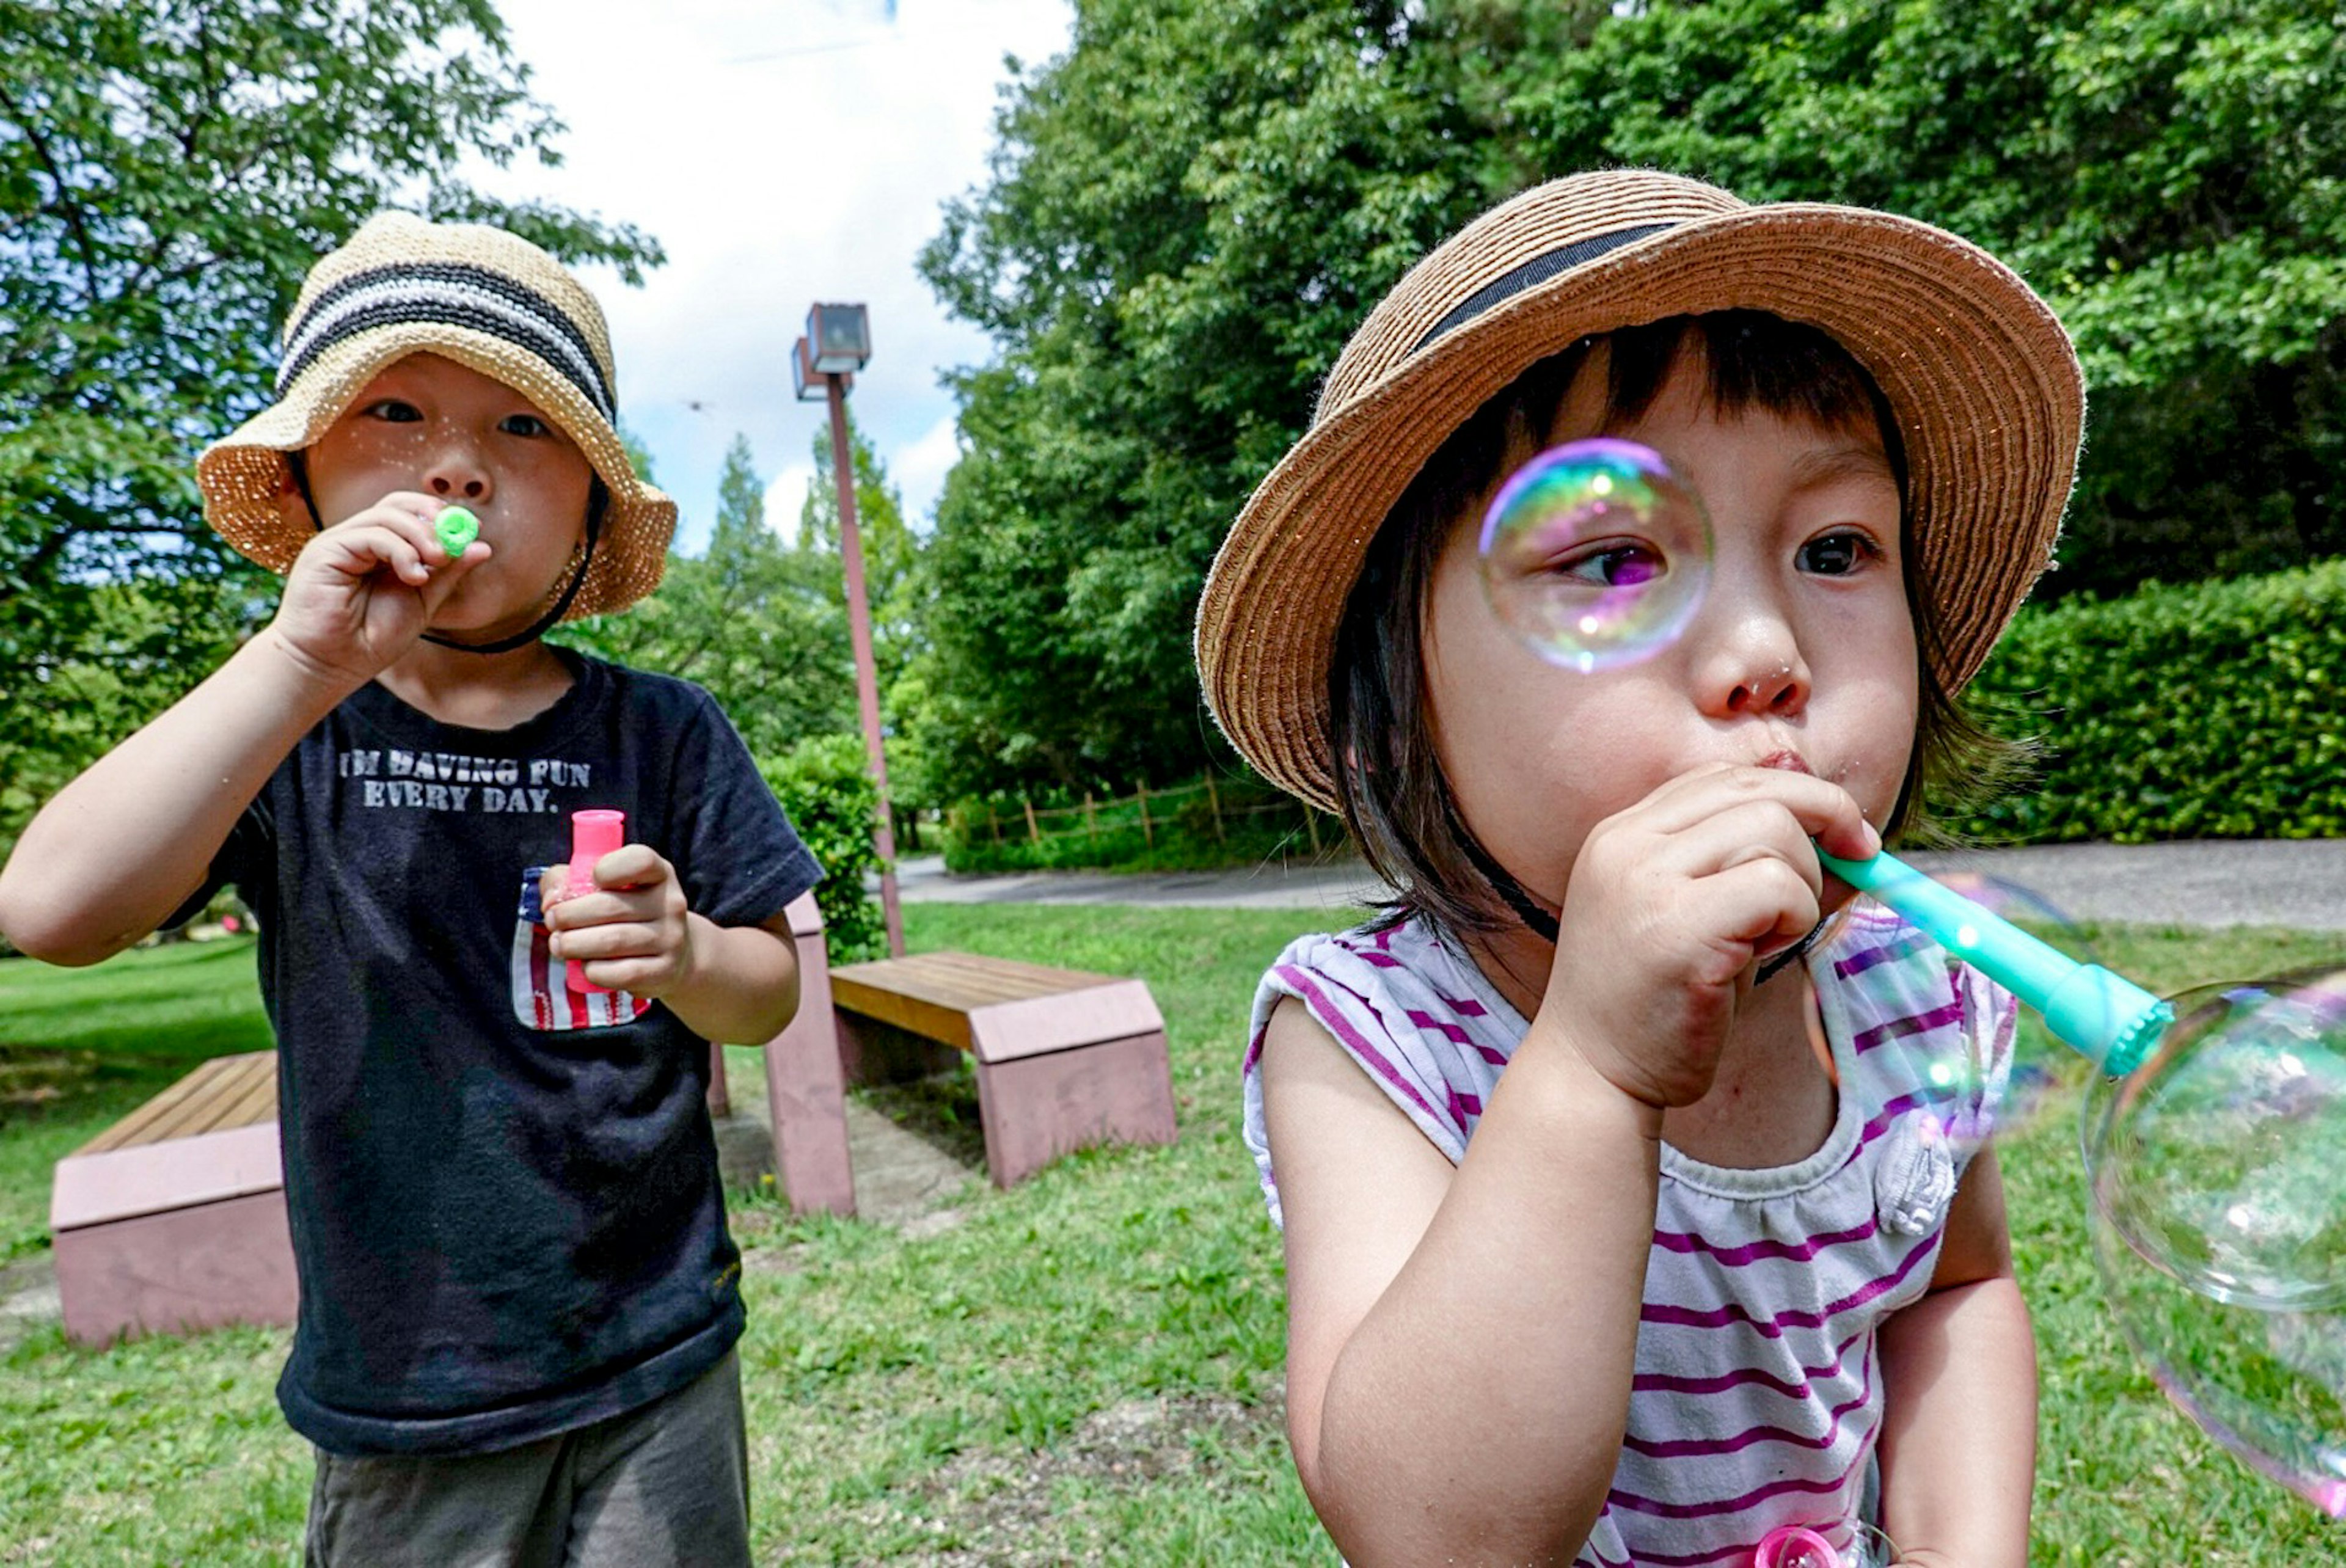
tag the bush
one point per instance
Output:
(823, 785)
(1241, 821)
(2211, 711)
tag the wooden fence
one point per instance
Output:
(1002, 821)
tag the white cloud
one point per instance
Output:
(786, 498)
(781, 154)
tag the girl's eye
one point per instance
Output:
(1837, 555)
(392, 411)
(523, 425)
(1615, 566)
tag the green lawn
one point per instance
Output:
(1084, 1369)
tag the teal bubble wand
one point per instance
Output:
(2105, 1017)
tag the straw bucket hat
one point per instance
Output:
(482, 298)
(1982, 382)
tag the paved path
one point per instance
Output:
(2300, 883)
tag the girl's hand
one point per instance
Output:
(362, 591)
(631, 929)
(1670, 905)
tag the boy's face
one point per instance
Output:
(1802, 654)
(436, 428)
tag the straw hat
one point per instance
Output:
(1982, 382)
(483, 298)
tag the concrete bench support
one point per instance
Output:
(1064, 1058)
(806, 1088)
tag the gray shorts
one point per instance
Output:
(666, 1484)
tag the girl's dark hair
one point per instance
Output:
(1390, 782)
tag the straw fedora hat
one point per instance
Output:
(486, 298)
(1982, 382)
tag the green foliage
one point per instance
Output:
(753, 620)
(824, 785)
(2164, 172)
(2204, 711)
(1186, 213)
(1241, 822)
(169, 171)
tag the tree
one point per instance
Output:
(1186, 214)
(169, 171)
(751, 619)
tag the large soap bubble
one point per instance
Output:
(2220, 1188)
(1595, 554)
(2222, 1160)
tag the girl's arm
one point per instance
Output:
(1959, 1376)
(1460, 1342)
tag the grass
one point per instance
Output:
(1086, 1368)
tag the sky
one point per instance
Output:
(782, 152)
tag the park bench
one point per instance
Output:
(173, 1219)
(1062, 1058)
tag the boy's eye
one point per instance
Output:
(523, 425)
(393, 411)
(1616, 566)
(1837, 555)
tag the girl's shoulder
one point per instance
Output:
(1410, 1010)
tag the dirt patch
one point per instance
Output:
(999, 1505)
(34, 1077)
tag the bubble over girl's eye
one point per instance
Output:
(1595, 554)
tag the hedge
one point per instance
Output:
(2208, 712)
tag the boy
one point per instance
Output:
(519, 1301)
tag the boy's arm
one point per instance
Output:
(1959, 1389)
(635, 932)
(1460, 1342)
(123, 844)
(118, 850)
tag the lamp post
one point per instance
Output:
(837, 344)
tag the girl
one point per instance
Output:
(1635, 1196)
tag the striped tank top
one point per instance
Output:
(1756, 1398)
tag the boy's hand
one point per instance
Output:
(630, 928)
(362, 591)
(1670, 904)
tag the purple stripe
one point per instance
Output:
(1353, 1040)
(1773, 1328)
(1254, 1049)
(1466, 1007)
(1899, 1028)
(1660, 1510)
(1890, 1111)
(1464, 1106)
(1697, 1448)
(1737, 1257)
(1858, 962)
(1426, 1020)
(1601, 1561)
(1744, 1377)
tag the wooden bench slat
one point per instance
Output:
(153, 1122)
(958, 982)
(258, 1103)
(200, 1113)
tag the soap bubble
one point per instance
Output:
(2029, 1086)
(2221, 1164)
(2222, 1158)
(1595, 554)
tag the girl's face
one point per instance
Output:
(1801, 654)
(443, 430)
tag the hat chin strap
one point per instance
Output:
(545, 622)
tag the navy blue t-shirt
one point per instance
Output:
(506, 1215)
